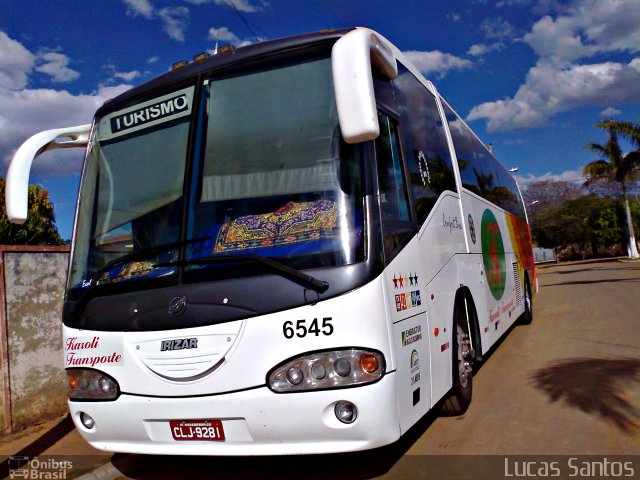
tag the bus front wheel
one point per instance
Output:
(459, 397)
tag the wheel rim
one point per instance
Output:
(527, 300)
(464, 353)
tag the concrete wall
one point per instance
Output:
(31, 293)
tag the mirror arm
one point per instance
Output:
(17, 186)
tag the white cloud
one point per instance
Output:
(586, 29)
(25, 111)
(480, 49)
(16, 63)
(223, 34)
(436, 62)
(559, 82)
(574, 176)
(153, 59)
(507, 3)
(549, 90)
(246, 6)
(175, 21)
(610, 112)
(139, 7)
(453, 17)
(128, 76)
(496, 27)
(55, 65)
(117, 76)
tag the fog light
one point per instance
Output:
(346, 412)
(342, 367)
(294, 375)
(87, 420)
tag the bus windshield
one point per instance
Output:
(270, 177)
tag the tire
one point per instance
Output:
(527, 317)
(457, 401)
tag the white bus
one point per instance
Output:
(292, 247)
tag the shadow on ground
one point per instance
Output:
(592, 282)
(595, 386)
(42, 443)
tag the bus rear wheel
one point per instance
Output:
(527, 316)
(459, 397)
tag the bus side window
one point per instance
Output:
(394, 203)
(424, 143)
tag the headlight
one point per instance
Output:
(328, 369)
(85, 384)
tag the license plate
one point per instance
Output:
(203, 430)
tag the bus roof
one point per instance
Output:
(234, 57)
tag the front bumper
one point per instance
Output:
(255, 422)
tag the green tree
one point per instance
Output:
(39, 229)
(616, 167)
(635, 213)
(608, 227)
(583, 221)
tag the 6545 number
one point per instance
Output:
(302, 328)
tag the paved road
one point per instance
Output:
(569, 384)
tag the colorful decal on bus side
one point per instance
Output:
(410, 299)
(521, 241)
(415, 367)
(493, 254)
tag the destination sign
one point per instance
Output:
(147, 114)
(160, 110)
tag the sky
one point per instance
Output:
(531, 77)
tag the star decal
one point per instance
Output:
(395, 281)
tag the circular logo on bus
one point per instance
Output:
(472, 229)
(178, 305)
(493, 254)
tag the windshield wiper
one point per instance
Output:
(142, 253)
(283, 270)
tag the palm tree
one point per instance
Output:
(627, 130)
(615, 166)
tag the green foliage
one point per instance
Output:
(635, 214)
(587, 220)
(608, 229)
(39, 229)
(627, 130)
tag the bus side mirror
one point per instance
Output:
(17, 186)
(352, 59)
